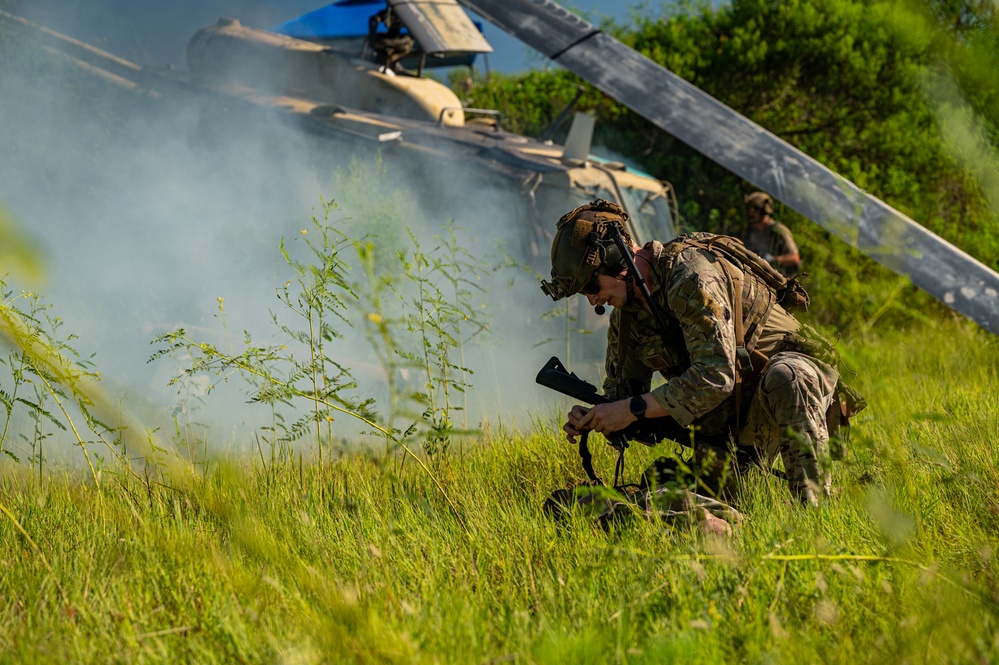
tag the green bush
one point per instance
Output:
(899, 98)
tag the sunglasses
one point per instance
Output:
(591, 288)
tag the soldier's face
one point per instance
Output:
(757, 218)
(613, 291)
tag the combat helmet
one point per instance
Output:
(761, 201)
(584, 247)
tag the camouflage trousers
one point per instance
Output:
(787, 417)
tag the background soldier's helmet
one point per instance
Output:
(584, 246)
(761, 201)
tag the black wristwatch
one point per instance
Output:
(638, 406)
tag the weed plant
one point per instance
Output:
(412, 318)
(48, 382)
(354, 556)
(358, 558)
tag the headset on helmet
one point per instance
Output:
(584, 245)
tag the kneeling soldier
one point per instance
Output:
(710, 317)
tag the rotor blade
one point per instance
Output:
(440, 26)
(754, 154)
(80, 51)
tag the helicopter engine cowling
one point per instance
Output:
(230, 53)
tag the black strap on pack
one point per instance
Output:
(587, 459)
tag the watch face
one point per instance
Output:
(638, 405)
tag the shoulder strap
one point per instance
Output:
(742, 359)
(623, 335)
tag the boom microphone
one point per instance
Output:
(599, 310)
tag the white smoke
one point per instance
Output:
(148, 211)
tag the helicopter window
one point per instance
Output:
(649, 214)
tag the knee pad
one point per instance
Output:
(779, 376)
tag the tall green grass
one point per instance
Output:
(361, 558)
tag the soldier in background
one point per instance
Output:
(768, 237)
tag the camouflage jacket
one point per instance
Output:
(696, 355)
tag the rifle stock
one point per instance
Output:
(554, 375)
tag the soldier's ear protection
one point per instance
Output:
(603, 236)
(610, 255)
(602, 243)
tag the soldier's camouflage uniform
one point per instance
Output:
(784, 407)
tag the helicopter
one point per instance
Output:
(368, 86)
(353, 74)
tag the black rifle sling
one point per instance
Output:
(619, 441)
(643, 288)
(587, 458)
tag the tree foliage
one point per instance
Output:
(899, 97)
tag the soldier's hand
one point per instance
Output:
(571, 426)
(606, 418)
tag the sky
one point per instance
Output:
(511, 55)
(156, 33)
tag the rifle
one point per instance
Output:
(649, 431)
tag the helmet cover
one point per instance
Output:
(584, 245)
(760, 201)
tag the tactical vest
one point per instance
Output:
(791, 295)
(754, 287)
